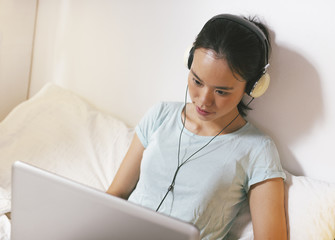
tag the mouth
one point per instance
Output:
(202, 112)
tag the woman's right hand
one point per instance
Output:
(128, 173)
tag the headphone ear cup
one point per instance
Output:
(260, 86)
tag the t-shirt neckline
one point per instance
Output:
(188, 132)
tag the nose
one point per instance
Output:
(206, 97)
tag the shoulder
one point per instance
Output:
(254, 137)
(162, 110)
(259, 147)
(263, 161)
(156, 116)
(168, 106)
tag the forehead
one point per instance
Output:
(209, 68)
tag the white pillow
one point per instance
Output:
(5, 201)
(4, 228)
(58, 131)
(310, 207)
(310, 211)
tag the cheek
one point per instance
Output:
(228, 102)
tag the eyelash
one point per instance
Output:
(222, 93)
(219, 92)
(196, 82)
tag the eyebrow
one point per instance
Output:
(218, 87)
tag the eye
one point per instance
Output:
(197, 82)
(221, 92)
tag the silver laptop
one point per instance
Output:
(46, 206)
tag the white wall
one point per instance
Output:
(126, 55)
(17, 18)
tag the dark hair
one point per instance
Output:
(237, 44)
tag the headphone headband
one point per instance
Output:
(252, 27)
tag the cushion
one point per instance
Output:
(4, 228)
(310, 211)
(310, 207)
(60, 132)
(5, 200)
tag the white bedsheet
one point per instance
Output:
(4, 201)
(4, 208)
(4, 228)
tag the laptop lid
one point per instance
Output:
(47, 206)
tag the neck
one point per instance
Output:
(231, 123)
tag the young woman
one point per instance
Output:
(201, 160)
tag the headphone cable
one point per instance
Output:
(171, 187)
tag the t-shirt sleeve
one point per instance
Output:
(149, 123)
(264, 164)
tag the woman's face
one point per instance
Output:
(214, 90)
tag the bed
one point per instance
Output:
(59, 131)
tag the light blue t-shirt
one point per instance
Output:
(210, 188)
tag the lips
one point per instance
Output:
(202, 112)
